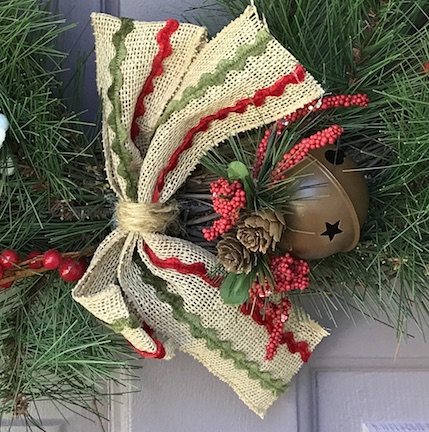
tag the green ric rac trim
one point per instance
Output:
(198, 331)
(114, 120)
(121, 324)
(217, 77)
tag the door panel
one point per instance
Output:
(60, 419)
(181, 395)
(347, 399)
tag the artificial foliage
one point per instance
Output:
(378, 48)
(376, 276)
(51, 188)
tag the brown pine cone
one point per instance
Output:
(261, 231)
(233, 255)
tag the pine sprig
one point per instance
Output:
(53, 349)
(58, 177)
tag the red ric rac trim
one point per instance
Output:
(165, 50)
(296, 347)
(302, 347)
(297, 76)
(159, 353)
(149, 330)
(172, 263)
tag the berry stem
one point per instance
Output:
(228, 199)
(89, 251)
(22, 271)
(21, 274)
(300, 150)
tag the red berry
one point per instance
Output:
(6, 284)
(52, 259)
(71, 270)
(9, 258)
(83, 262)
(228, 199)
(1, 272)
(37, 262)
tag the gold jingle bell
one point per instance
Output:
(329, 203)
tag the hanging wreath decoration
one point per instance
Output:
(286, 209)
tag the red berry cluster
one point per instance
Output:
(269, 314)
(261, 152)
(328, 102)
(228, 199)
(289, 273)
(278, 314)
(300, 151)
(12, 268)
(260, 290)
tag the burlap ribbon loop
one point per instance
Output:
(145, 217)
(168, 97)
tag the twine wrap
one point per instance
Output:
(145, 217)
(240, 80)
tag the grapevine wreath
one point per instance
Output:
(238, 192)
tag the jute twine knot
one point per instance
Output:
(145, 217)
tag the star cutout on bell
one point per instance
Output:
(332, 230)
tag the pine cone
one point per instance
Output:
(261, 231)
(233, 255)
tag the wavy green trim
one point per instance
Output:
(217, 77)
(198, 331)
(121, 324)
(114, 120)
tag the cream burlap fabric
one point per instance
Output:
(201, 94)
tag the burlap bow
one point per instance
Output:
(169, 96)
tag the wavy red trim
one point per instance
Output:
(294, 347)
(301, 347)
(159, 353)
(297, 76)
(172, 263)
(199, 269)
(165, 50)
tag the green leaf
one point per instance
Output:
(238, 171)
(235, 288)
